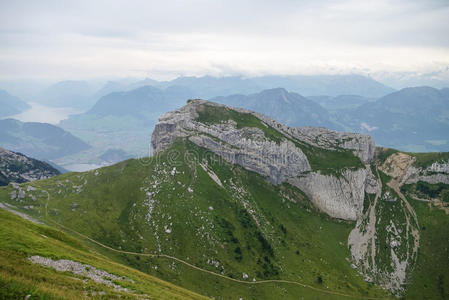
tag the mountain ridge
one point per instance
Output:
(239, 194)
(286, 107)
(40, 140)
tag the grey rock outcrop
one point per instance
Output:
(16, 167)
(362, 145)
(401, 166)
(436, 173)
(339, 195)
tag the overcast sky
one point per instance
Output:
(163, 39)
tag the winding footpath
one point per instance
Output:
(198, 268)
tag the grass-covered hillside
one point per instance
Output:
(21, 279)
(223, 222)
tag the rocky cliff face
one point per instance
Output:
(276, 151)
(348, 189)
(339, 172)
(402, 166)
(16, 167)
(438, 172)
(385, 242)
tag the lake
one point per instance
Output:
(45, 114)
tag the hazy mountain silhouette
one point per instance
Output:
(289, 108)
(11, 105)
(39, 140)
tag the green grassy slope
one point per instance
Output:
(245, 226)
(424, 160)
(20, 239)
(430, 279)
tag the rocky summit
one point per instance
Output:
(305, 157)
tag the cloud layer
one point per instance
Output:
(89, 39)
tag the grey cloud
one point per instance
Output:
(217, 36)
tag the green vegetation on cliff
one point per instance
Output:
(320, 159)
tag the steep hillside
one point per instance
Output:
(40, 140)
(403, 232)
(39, 262)
(16, 167)
(235, 205)
(10, 105)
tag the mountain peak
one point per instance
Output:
(275, 151)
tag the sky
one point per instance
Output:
(60, 40)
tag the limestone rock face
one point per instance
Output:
(323, 190)
(400, 166)
(339, 195)
(397, 165)
(246, 146)
(438, 172)
(362, 145)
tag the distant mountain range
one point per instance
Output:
(141, 101)
(307, 85)
(289, 108)
(84, 94)
(412, 119)
(123, 117)
(11, 105)
(75, 94)
(124, 120)
(342, 102)
(40, 140)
